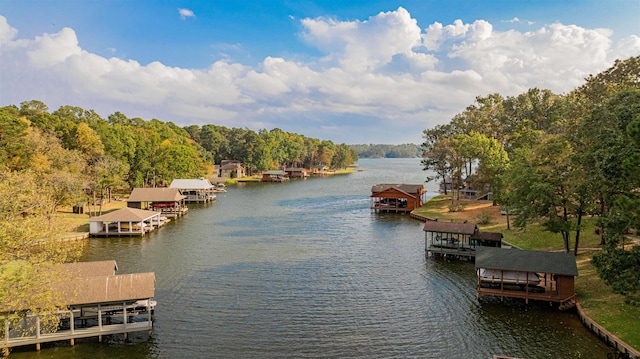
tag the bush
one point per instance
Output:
(484, 218)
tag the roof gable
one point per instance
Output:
(450, 227)
(125, 214)
(155, 195)
(91, 269)
(106, 289)
(527, 261)
(410, 189)
(198, 183)
(491, 236)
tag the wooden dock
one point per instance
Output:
(101, 325)
(78, 333)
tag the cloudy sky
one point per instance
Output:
(357, 71)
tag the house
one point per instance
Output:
(168, 201)
(97, 302)
(396, 197)
(297, 172)
(320, 170)
(195, 190)
(125, 222)
(449, 238)
(530, 275)
(230, 169)
(274, 176)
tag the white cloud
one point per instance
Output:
(382, 79)
(185, 13)
(7, 33)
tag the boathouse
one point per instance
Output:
(396, 197)
(486, 239)
(274, 176)
(125, 222)
(195, 190)
(97, 302)
(295, 172)
(449, 238)
(530, 275)
(168, 201)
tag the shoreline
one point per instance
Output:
(590, 289)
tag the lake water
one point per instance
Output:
(304, 269)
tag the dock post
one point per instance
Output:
(38, 332)
(72, 327)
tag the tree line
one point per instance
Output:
(408, 150)
(555, 159)
(95, 155)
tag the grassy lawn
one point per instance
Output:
(597, 299)
(605, 307)
(79, 223)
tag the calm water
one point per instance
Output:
(305, 270)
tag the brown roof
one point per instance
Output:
(450, 227)
(91, 269)
(155, 195)
(125, 214)
(406, 188)
(491, 236)
(113, 288)
(96, 282)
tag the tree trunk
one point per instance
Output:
(575, 248)
(565, 239)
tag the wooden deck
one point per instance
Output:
(78, 333)
(543, 292)
(125, 233)
(451, 251)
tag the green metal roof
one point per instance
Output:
(527, 261)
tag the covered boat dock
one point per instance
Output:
(525, 274)
(98, 302)
(397, 198)
(125, 222)
(168, 201)
(449, 239)
(196, 190)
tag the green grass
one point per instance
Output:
(436, 208)
(605, 307)
(535, 237)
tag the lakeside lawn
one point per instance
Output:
(596, 298)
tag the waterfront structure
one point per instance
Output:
(530, 275)
(195, 190)
(297, 172)
(230, 169)
(274, 176)
(125, 222)
(396, 197)
(486, 239)
(449, 238)
(97, 302)
(168, 201)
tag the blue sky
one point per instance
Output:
(349, 71)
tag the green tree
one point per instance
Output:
(438, 153)
(30, 249)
